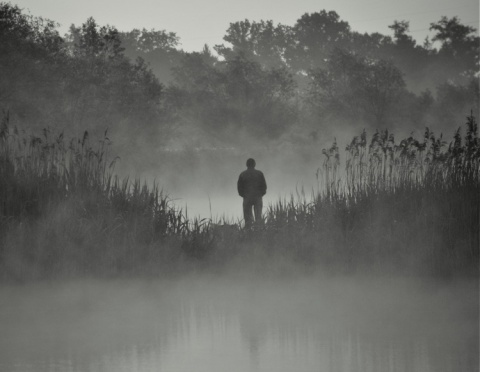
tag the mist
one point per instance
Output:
(126, 243)
(243, 324)
(203, 180)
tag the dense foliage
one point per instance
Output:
(267, 80)
(81, 82)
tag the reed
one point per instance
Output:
(408, 206)
(62, 209)
(415, 203)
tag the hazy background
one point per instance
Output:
(199, 23)
(219, 82)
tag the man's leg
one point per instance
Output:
(258, 206)
(247, 212)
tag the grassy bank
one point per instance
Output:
(411, 207)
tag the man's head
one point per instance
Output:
(251, 163)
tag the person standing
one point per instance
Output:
(251, 187)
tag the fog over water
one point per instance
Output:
(208, 201)
(98, 273)
(238, 324)
(203, 181)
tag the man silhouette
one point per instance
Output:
(251, 187)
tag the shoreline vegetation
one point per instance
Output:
(409, 207)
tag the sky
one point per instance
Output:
(205, 22)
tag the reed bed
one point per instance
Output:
(411, 206)
(63, 211)
(415, 204)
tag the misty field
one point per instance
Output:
(382, 206)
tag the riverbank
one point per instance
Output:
(408, 207)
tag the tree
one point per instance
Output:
(334, 89)
(90, 41)
(459, 46)
(103, 88)
(315, 36)
(402, 39)
(196, 72)
(30, 52)
(157, 47)
(355, 87)
(382, 85)
(197, 94)
(260, 98)
(374, 45)
(454, 101)
(236, 95)
(38, 33)
(261, 42)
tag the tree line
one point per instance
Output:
(267, 81)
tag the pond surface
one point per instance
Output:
(232, 324)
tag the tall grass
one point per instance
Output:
(409, 207)
(62, 210)
(411, 204)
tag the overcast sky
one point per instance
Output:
(205, 22)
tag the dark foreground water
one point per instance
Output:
(199, 324)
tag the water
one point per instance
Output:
(220, 208)
(231, 324)
(204, 183)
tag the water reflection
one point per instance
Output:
(213, 325)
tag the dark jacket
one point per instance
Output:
(251, 184)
